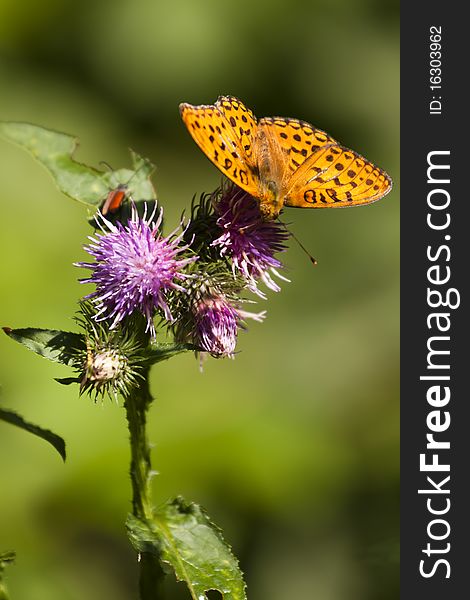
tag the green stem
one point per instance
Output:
(151, 574)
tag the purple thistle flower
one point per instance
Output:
(217, 323)
(249, 240)
(135, 266)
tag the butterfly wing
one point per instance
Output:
(296, 140)
(336, 177)
(281, 147)
(225, 132)
(318, 172)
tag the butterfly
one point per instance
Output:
(282, 161)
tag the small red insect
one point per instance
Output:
(114, 199)
(117, 195)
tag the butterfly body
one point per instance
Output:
(269, 165)
(281, 161)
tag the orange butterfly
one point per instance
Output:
(282, 162)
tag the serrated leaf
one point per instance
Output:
(54, 150)
(158, 351)
(58, 346)
(182, 536)
(86, 184)
(55, 440)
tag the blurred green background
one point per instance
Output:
(293, 446)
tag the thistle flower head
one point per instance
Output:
(216, 325)
(113, 360)
(135, 267)
(217, 322)
(249, 240)
(210, 316)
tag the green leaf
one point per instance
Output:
(182, 536)
(86, 184)
(6, 558)
(163, 351)
(55, 440)
(58, 346)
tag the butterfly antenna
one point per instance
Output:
(294, 237)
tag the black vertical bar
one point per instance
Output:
(435, 121)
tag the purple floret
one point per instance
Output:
(249, 240)
(135, 267)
